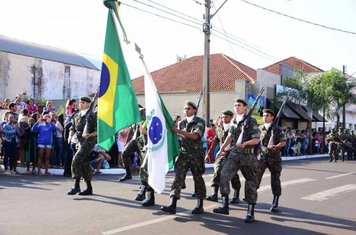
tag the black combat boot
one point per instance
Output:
(199, 208)
(171, 209)
(75, 189)
(236, 197)
(142, 193)
(127, 176)
(274, 206)
(150, 199)
(250, 217)
(224, 208)
(214, 194)
(89, 190)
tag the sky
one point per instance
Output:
(257, 37)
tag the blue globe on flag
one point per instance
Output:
(155, 131)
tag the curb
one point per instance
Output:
(119, 171)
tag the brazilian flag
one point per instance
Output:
(117, 102)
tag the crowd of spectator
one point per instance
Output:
(297, 142)
(34, 136)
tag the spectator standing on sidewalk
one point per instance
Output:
(45, 129)
(10, 145)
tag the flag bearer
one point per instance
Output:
(190, 131)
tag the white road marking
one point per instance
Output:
(325, 195)
(154, 221)
(341, 175)
(287, 183)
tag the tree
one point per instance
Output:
(302, 93)
(337, 90)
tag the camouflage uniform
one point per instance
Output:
(271, 159)
(133, 146)
(333, 140)
(190, 157)
(346, 145)
(243, 159)
(215, 182)
(80, 163)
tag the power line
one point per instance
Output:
(240, 41)
(164, 17)
(237, 41)
(178, 16)
(193, 18)
(298, 19)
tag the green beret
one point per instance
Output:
(191, 104)
(228, 112)
(85, 99)
(241, 101)
(269, 111)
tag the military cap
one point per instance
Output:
(85, 99)
(241, 101)
(228, 112)
(269, 111)
(191, 104)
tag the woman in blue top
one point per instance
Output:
(45, 129)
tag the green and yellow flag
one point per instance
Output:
(117, 103)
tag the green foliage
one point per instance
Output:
(41, 102)
(61, 110)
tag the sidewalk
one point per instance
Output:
(118, 171)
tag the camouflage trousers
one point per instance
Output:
(247, 163)
(196, 164)
(334, 151)
(215, 182)
(128, 154)
(143, 169)
(80, 163)
(274, 165)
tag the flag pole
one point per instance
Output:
(113, 6)
(138, 50)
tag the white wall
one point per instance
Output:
(16, 77)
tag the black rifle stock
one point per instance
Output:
(275, 124)
(199, 99)
(240, 140)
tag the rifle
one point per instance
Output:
(240, 140)
(199, 98)
(90, 111)
(275, 123)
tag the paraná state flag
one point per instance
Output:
(163, 144)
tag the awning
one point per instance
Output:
(299, 110)
(289, 113)
(317, 117)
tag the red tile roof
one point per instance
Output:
(186, 75)
(294, 63)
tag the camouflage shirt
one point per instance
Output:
(251, 131)
(279, 136)
(221, 135)
(83, 125)
(197, 125)
(332, 138)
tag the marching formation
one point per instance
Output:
(244, 146)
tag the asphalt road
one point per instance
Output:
(318, 197)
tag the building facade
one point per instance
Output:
(43, 72)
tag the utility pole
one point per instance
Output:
(344, 105)
(206, 64)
